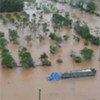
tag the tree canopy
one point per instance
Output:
(11, 5)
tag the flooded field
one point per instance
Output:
(24, 84)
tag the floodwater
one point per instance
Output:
(24, 84)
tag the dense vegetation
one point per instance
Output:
(11, 5)
(83, 30)
(60, 21)
(7, 59)
(86, 5)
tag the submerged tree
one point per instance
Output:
(25, 58)
(60, 21)
(83, 30)
(87, 53)
(44, 60)
(7, 60)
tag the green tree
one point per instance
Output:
(60, 21)
(87, 53)
(52, 36)
(7, 60)
(25, 58)
(91, 6)
(1, 34)
(3, 43)
(77, 59)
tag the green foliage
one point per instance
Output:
(28, 38)
(52, 36)
(53, 49)
(44, 60)
(83, 30)
(58, 40)
(90, 5)
(95, 40)
(87, 53)
(1, 34)
(60, 21)
(77, 59)
(3, 43)
(13, 36)
(25, 58)
(11, 5)
(7, 60)
(44, 56)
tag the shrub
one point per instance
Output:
(59, 61)
(53, 49)
(65, 37)
(58, 40)
(52, 36)
(77, 59)
(13, 36)
(28, 38)
(44, 56)
(44, 60)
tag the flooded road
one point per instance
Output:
(24, 84)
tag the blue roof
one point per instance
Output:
(54, 76)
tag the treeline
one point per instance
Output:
(11, 5)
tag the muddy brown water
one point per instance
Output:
(24, 84)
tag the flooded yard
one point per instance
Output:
(24, 84)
